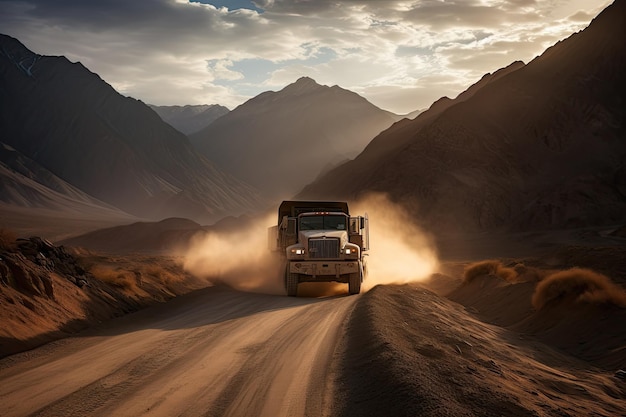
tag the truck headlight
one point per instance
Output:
(297, 251)
(351, 252)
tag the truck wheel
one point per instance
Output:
(354, 283)
(291, 284)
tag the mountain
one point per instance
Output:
(190, 119)
(530, 147)
(413, 114)
(113, 148)
(26, 183)
(279, 141)
(34, 201)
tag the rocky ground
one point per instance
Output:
(49, 292)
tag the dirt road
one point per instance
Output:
(215, 352)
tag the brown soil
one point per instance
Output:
(49, 292)
(468, 341)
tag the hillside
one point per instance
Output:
(115, 149)
(539, 147)
(25, 183)
(279, 141)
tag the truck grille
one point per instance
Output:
(324, 248)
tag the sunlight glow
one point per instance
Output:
(400, 252)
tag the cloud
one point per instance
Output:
(214, 51)
(232, 4)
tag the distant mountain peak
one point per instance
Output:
(306, 81)
(279, 141)
(303, 85)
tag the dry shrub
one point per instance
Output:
(488, 267)
(7, 239)
(506, 273)
(114, 276)
(478, 269)
(578, 285)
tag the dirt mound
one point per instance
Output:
(592, 332)
(499, 294)
(581, 312)
(494, 299)
(577, 310)
(403, 344)
(410, 352)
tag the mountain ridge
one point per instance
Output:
(278, 141)
(539, 147)
(111, 147)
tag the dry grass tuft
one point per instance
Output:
(478, 269)
(488, 267)
(7, 239)
(116, 277)
(133, 273)
(578, 285)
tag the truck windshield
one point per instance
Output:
(323, 223)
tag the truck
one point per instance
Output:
(320, 242)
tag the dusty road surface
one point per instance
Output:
(215, 352)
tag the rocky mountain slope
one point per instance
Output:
(115, 149)
(190, 119)
(539, 146)
(279, 141)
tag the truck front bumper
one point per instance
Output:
(324, 270)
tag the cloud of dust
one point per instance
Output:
(238, 258)
(399, 251)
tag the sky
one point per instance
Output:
(399, 55)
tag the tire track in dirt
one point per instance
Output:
(214, 352)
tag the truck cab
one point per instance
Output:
(320, 242)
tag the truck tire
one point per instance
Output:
(291, 284)
(354, 283)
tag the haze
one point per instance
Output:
(401, 253)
